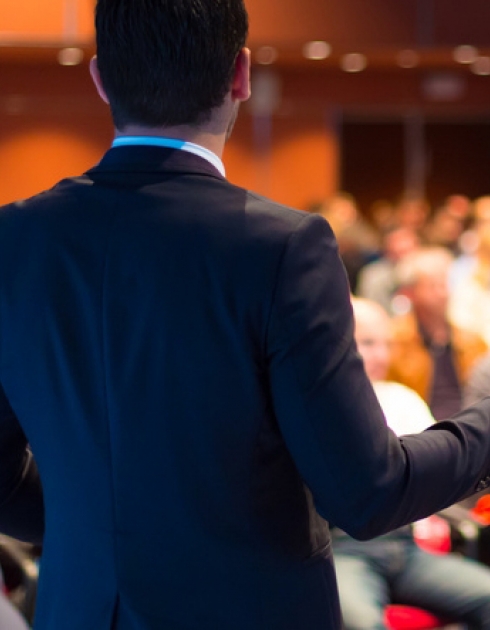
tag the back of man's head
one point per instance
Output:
(167, 62)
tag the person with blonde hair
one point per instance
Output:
(469, 306)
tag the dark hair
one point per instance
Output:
(167, 62)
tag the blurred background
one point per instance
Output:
(378, 98)
(373, 113)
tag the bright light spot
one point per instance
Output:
(353, 62)
(481, 66)
(266, 55)
(317, 50)
(407, 58)
(465, 54)
(70, 56)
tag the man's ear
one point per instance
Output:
(95, 74)
(240, 88)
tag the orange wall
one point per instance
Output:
(36, 154)
(300, 169)
(37, 20)
(304, 161)
(53, 125)
(347, 25)
(297, 166)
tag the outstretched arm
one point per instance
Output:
(363, 477)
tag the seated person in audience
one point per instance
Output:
(381, 214)
(448, 223)
(413, 213)
(465, 262)
(358, 241)
(392, 568)
(10, 617)
(377, 280)
(478, 384)
(429, 354)
(469, 306)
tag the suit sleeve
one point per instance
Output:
(363, 478)
(21, 499)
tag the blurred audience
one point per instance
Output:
(469, 306)
(10, 617)
(471, 282)
(448, 223)
(378, 280)
(413, 213)
(359, 242)
(481, 209)
(430, 271)
(466, 261)
(392, 568)
(381, 214)
(478, 384)
(429, 354)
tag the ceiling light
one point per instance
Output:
(353, 62)
(481, 66)
(70, 56)
(317, 50)
(407, 58)
(266, 55)
(465, 54)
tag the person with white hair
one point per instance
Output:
(430, 354)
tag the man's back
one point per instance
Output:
(141, 343)
(170, 345)
(179, 355)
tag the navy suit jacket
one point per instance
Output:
(178, 354)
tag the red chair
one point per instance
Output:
(432, 534)
(399, 617)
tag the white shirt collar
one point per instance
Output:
(173, 143)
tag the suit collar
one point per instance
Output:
(137, 158)
(172, 143)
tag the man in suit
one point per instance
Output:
(179, 355)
